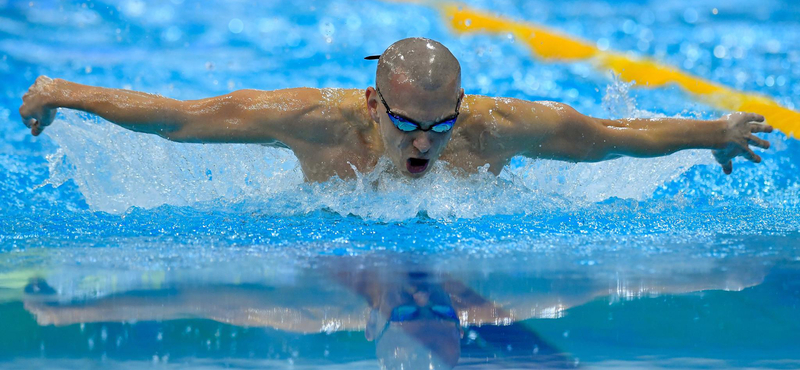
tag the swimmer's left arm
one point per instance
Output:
(557, 131)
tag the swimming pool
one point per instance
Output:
(628, 263)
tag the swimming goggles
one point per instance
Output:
(408, 125)
(410, 312)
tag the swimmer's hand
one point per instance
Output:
(38, 110)
(737, 138)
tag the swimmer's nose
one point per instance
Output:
(421, 298)
(422, 142)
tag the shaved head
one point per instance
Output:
(418, 82)
(418, 63)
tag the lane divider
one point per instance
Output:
(549, 45)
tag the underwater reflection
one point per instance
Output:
(415, 315)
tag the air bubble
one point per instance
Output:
(236, 25)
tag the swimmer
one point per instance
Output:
(416, 114)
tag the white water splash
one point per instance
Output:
(442, 194)
(116, 169)
(617, 101)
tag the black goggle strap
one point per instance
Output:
(388, 110)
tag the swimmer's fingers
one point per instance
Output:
(29, 122)
(724, 160)
(27, 113)
(753, 117)
(759, 127)
(36, 129)
(750, 155)
(755, 141)
(727, 167)
(33, 123)
(37, 110)
(743, 118)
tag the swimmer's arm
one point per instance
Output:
(244, 116)
(236, 305)
(557, 131)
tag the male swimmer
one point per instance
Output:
(417, 113)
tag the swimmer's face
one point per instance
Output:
(424, 342)
(414, 152)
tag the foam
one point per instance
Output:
(116, 169)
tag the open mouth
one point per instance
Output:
(417, 165)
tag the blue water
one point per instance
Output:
(698, 263)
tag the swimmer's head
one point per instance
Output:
(425, 335)
(420, 81)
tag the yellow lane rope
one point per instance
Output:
(550, 45)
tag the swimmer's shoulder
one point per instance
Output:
(511, 113)
(481, 113)
(316, 116)
(350, 104)
(480, 127)
(341, 118)
(335, 105)
(498, 126)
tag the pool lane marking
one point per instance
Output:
(550, 45)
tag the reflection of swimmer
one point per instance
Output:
(411, 320)
(414, 317)
(416, 114)
(410, 317)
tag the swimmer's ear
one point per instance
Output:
(372, 325)
(372, 104)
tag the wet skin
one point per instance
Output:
(334, 131)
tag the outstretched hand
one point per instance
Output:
(739, 135)
(36, 111)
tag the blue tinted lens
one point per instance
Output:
(404, 313)
(444, 126)
(446, 312)
(402, 124)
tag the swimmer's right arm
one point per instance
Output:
(244, 116)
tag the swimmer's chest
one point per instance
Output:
(325, 163)
(465, 153)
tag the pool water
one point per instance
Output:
(125, 250)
